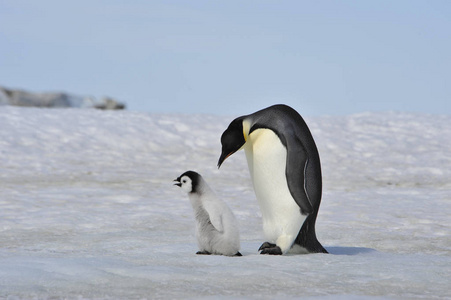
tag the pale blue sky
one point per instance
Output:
(234, 57)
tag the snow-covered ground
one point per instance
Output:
(88, 209)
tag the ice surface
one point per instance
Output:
(88, 209)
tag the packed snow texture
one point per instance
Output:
(88, 209)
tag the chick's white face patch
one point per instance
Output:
(187, 184)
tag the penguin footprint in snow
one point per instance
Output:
(216, 229)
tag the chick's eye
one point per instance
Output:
(184, 181)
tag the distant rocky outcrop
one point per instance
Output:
(17, 97)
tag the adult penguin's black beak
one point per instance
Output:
(223, 157)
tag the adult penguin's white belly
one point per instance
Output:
(266, 158)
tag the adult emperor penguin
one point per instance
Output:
(286, 173)
(216, 226)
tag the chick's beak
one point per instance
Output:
(178, 183)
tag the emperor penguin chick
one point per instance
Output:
(216, 226)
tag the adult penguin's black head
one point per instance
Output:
(232, 139)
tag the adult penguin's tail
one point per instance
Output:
(307, 236)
